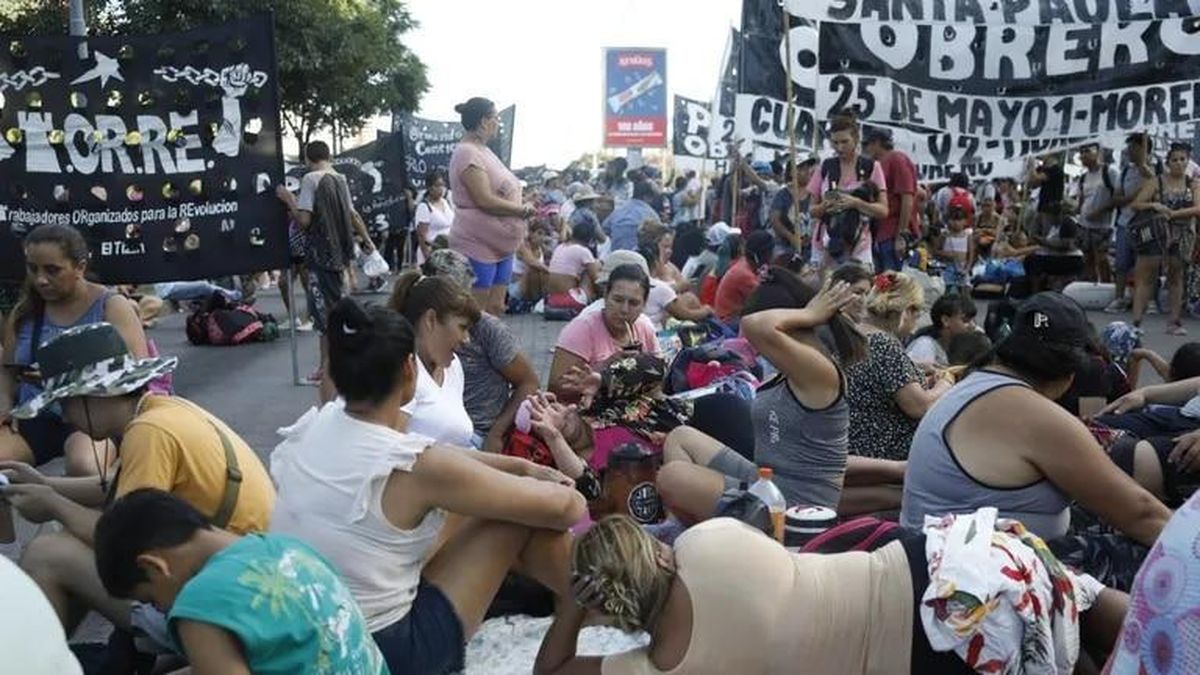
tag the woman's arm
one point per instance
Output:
(479, 187)
(531, 261)
(684, 312)
(519, 373)
(863, 471)
(1067, 454)
(563, 362)
(1171, 393)
(451, 479)
(1157, 362)
(557, 653)
(915, 400)
(808, 369)
(423, 239)
(1147, 198)
(8, 375)
(122, 314)
(877, 209)
(971, 253)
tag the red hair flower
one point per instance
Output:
(884, 283)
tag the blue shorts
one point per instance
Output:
(488, 275)
(428, 640)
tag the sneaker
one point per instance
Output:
(1176, 329)
(1153, 309)
(1118, 305)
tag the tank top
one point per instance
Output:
(936, 484)
(50, 330)
(333, 501)
(1176, 200)
(806, 448)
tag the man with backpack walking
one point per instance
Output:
(325, 213)
(1095, 193)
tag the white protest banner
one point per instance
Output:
(1012, 81)
(1011, 12)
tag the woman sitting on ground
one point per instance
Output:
(725, 598)
(530, 272)
(442, 315)
(573, 264)
(56, 296)
(664, 303)
(801, 417)
(500, 374)
(375, 502)
(951, 315)
(594, 336)
(740, 280)
(654, 235)
(887, 395)
(993, 440)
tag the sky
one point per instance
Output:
(545, 56)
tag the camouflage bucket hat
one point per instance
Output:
(90, 360)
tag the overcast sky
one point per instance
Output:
(545, 56)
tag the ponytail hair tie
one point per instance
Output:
(348, 330)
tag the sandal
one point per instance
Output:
(1176, 329)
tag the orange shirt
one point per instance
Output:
(737, 285)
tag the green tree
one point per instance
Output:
(340, 61)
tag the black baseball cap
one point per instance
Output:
(1052, 318)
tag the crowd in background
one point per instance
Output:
(794, 336)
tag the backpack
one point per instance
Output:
(220, 322)
(696, 367)
(845, 228)
(1106, 177)
(861, 534)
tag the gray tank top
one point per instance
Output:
(805, 447)
(935, 484)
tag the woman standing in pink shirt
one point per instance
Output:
(489, 214)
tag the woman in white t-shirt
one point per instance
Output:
(434, 214)
(664, 303)
(442, 314)
(374, 501)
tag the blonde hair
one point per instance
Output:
(622, 563)
(891, 294)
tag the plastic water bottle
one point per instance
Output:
(764, 488)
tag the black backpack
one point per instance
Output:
(845, 228)
(1000, 317)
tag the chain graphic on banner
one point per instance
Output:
(34, 77)
(207, 76)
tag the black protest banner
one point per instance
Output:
(163, 150)
(691, 128)
(1013, 81)
(375, 174)
(1011, 12)
(428, 144)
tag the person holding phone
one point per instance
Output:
(56, 297)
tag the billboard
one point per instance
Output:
(635, 98)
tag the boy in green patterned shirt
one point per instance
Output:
(261, 603)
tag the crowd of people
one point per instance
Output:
(810, 324)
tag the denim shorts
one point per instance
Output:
(489, 274)
(428, 640)
(1125, 255)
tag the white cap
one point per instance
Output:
(719, 232)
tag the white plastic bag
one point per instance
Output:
(374, 265)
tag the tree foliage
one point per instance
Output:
(340, 61)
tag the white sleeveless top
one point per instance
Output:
(330, 472)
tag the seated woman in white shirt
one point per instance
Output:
(664, 303)
(423, 533)
(442, 314)
(434, 214)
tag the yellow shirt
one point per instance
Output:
(171, 445)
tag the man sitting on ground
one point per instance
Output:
(167, 443)
(265, 604)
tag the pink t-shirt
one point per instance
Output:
(570, 259)
(475, 234)
(587, 337)
(817, 185)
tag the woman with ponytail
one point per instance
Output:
(442, 314)
(801, 418)
(887, 396)
(422, 532)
